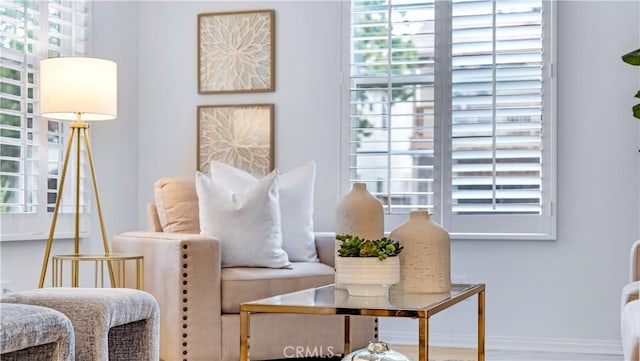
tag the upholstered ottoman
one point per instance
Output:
(34, 333)
(109, 323)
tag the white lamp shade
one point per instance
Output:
(73, 85)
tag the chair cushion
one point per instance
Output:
(177, 204)
(247, 284)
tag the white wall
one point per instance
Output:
(115, 142)
(306, 97)
(539, 293)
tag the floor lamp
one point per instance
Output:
(80, 90)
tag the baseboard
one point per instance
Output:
(536, 344)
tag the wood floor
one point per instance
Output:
(461, 354)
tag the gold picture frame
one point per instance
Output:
(236, 52)
(239, 135)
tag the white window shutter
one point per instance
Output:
(496, 107)
(471, 137)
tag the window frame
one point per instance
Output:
(483, 227)
(35, 225)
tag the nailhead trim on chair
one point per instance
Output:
(375, 329)
(184, 301)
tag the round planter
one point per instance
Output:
(367, 276)
(425, 261)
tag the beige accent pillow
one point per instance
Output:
(177, 204)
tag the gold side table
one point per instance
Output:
(121, 264)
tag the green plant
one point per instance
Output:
(633, 58)
(354, 246)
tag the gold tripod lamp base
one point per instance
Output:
(75, 132)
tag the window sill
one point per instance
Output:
(39, 236)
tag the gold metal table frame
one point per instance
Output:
(120, 264)
(328, 300)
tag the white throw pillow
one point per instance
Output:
(296, 205)
(246, 223)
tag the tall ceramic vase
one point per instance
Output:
(425, 261)
(360, 214)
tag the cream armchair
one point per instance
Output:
(630, 308)
(199, 300)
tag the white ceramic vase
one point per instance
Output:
(367, 276)
(425, 261)
(360, 214)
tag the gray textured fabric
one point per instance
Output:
(35, 353)
(35, 333)
(95, 313)
(125, 345)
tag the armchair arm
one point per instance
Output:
(635, 261)
(153, 221)
(326, 247)
(182, 271)
(630, 292)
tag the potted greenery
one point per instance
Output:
(633, 58)
(367, 267)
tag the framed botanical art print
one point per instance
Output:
(239, 135)
(236, 52)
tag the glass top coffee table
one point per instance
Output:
(328, 300)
